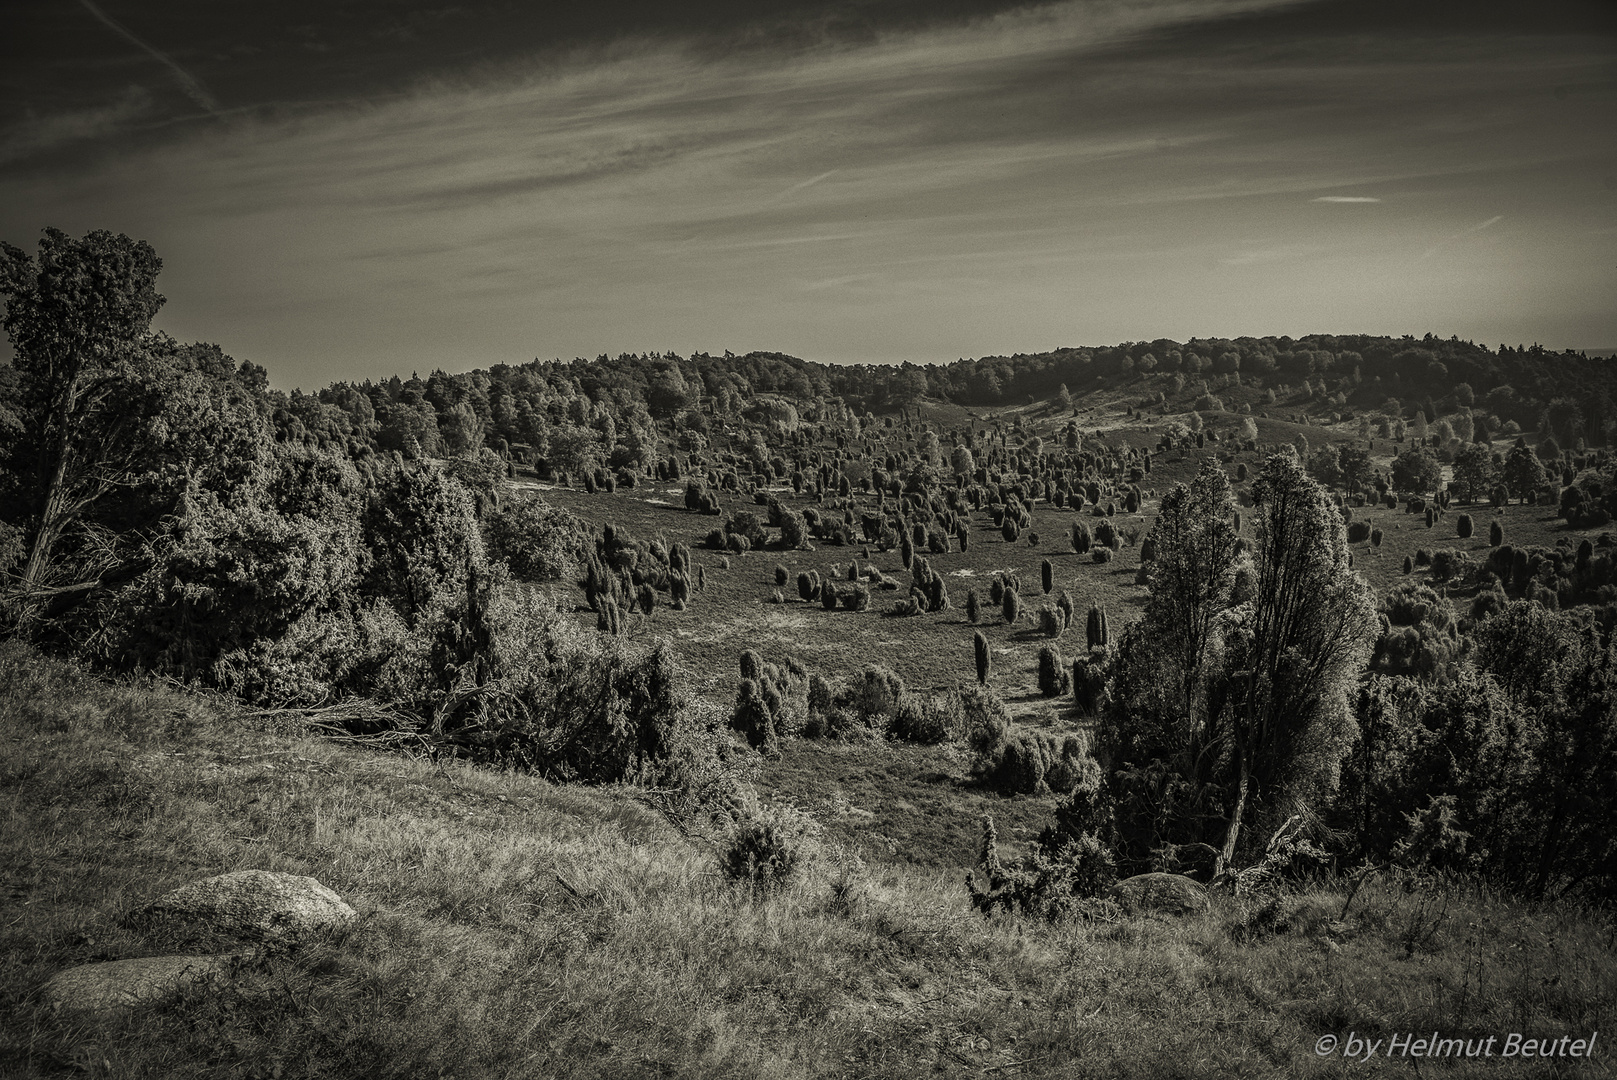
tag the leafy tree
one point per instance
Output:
(1563, 420)
(232, 573)
(1419, 637)
(1473, 473)
(422, 533)
(1355, 466)
(1195, 546)
(79, 322)
(1226, 707)
(1324, 465)
(461, 431)
(1523, 472)
(1416, 469)
(668, 391)
(1295, 661)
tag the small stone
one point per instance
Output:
(1172, 894)
(123, 984)
(259, 904)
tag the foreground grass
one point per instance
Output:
(473, 959)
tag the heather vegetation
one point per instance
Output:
(1243, 611)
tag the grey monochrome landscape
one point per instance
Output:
(1084, 548)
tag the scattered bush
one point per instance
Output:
(874, 693)
(1069, 871)
(751, 715)
(767, 846)
(929, 720)
(1054, 679)
(1447, 564)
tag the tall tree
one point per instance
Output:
(1473, 472)
(1194, 566)
(79, 319)
(1310, 632)
(1418, 470)
(1523, 472)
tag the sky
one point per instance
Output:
(351, 189)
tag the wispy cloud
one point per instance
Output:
(191, 87)
(48, 132)
(1047, 176)
(1462, 234)
(810, 182)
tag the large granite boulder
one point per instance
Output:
(1171, 894)
(256, 904)
(123, 984)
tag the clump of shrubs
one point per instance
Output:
(1013, 761)
(767, 846)
(1068, 872)
(929, 720)
(1447, 564)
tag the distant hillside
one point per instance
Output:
(1507, 389)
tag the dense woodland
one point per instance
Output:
(361, 550)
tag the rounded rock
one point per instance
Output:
(1171, 894)
(123, 984)
(259, 904)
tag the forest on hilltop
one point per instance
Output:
(529, 407)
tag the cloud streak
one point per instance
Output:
(189, 85)
(1345, 199)
(1462, 234)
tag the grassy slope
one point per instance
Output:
(470, 960)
